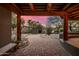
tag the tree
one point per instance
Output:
(54, 20)
(49, 30)
(34, 27)
(29, 25)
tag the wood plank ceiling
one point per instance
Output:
(72, 9)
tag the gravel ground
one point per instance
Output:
(42, 45)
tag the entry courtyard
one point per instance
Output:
(41, 45)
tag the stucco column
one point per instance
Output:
(66, 28)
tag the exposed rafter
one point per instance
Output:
(73, 7)
(66, 6)
(31, 6)
(49, 6)
(44, 9)
(74, 15)
(17, 7)
(75, 12)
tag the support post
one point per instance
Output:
(18, 29)
(66, 28)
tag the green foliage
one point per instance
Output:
(49, 30)
(73, 26)
(14, 22)
(33, 26)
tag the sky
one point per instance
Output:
(40, 19)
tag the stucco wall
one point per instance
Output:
(5, 31)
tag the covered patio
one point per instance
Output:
(66, 11)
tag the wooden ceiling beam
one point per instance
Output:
(31, 6)
(72, 8)
(44, 13)
(76, 16)
(49, 6)
(73, 13)
(75, 9)
(17, 7)
(66, 6)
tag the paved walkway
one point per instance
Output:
(42, 45)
